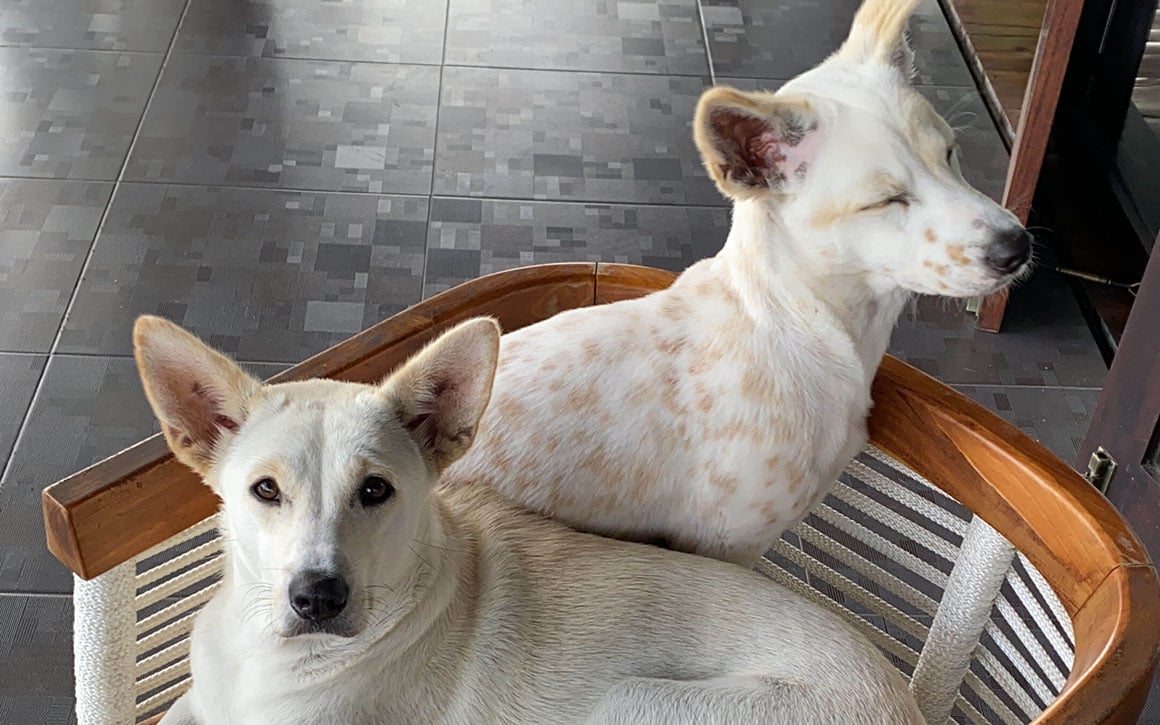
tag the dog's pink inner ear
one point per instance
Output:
(195, 417)
(762, 152)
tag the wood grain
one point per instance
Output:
(616, 282)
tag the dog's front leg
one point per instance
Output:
(181, 713)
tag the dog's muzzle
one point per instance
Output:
(317, 596)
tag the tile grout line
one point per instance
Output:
(22, 431)
(705, 40)
(434, 153)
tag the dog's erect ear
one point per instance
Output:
(442, 391)
(199, 395)
(879, 35)
(753, 143)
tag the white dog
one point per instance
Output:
(715, 414)
(355, 594)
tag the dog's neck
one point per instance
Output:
(772, 281)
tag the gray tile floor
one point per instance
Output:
(277, 174)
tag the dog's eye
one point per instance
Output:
(899, 199)
(267, 490)
(374, 491)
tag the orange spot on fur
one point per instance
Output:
(957, 255)
(930, 236)
(722, 482)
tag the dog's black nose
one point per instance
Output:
(318, 596)
(1009, 250)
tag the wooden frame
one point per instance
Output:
(1035, 121)
(120, 507)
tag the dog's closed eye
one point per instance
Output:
(902, 199)
(375, 491)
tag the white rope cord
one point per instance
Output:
(1053, 603)
(876, 636)
(1021, 665)
(881, 607)
(897, 587)
(186, 579)
(211, 549)
(180, 627)
(992, 699)
(1005, 680)
(893, 463)
(969, 710)
(897, 522)
(162, 658)
(1038, 653)
(163, 698)
(168, 675)
(1046, 627)
(890, 550)
(182, 605)
(982, 565)
(103, 619)
(906, 497)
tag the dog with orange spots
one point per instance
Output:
(713, 415)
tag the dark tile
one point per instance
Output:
(36, 645)
(290, 123)
(71, 113)
(263, 274)
(90, 24)
(88, 408)
(391, 31)
(46, 229)
(1056, 417)
(1044, 340)
(982, 153)
(570, 136)
(472, 237)
(646, 36)
(18, 377)
(759, 39)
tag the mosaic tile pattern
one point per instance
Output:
(1044, 342)
(644, 36)
(69, 113)
(89, 407)
(36, 632)
(981, 151)
(46, 229)
(18, 376)
(388, 31)
(758, 39)
(95, 24)
(1056, 417)
(473, 237)
(290, 123)
(570, 136)
(262, 274)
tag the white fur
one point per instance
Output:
(715, 414)
(462, 608)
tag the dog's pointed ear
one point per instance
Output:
(879, 35)
(199, 395)
(753, 143)
(440, 393)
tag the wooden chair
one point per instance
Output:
(988, 571)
